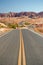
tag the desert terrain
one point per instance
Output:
(13, 20)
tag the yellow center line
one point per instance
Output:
(23, 51)
(21, 58)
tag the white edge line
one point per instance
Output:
(35, 33)
(6, 33)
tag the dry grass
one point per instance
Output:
(16, 19)
(39, 30)
(19, 19)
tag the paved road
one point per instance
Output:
(33, 44)
(9, 48)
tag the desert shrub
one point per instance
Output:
(16, 24)
(26, 23)
(13, 25)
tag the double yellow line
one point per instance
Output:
(21, 58)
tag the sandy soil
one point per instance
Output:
(4, 30)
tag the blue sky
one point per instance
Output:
(21, 5)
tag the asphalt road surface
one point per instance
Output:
(9, 48)
(10, 44)
(33, 44)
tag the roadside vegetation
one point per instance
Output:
(26, 23)
(13, 25)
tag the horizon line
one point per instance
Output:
(21, 11)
